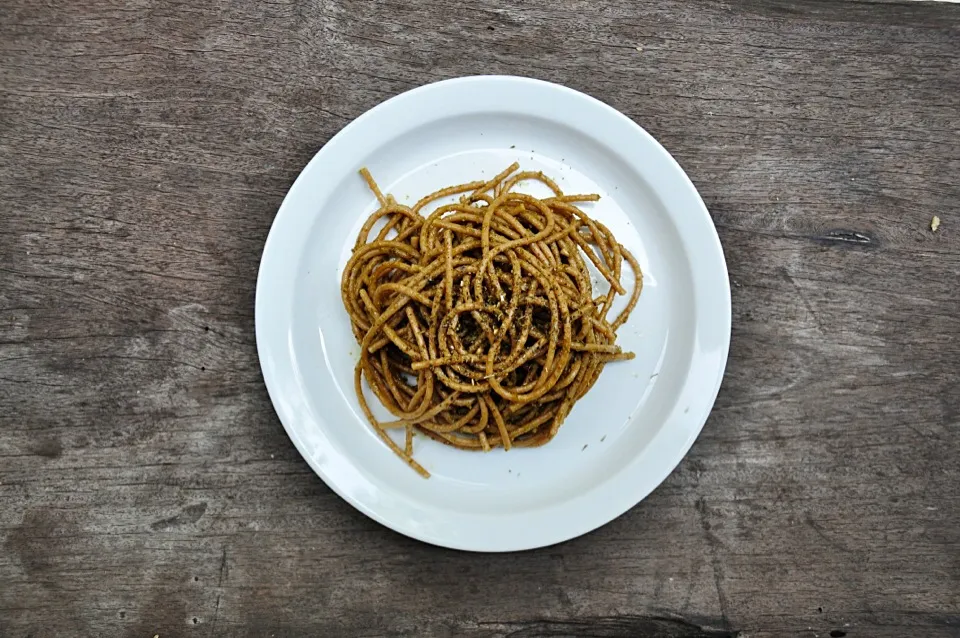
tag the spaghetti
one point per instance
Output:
(477, 323)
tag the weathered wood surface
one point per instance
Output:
(146, 486)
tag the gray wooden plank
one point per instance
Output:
(148, 487)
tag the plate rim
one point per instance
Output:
(723, 316)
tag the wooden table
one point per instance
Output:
(147, 487)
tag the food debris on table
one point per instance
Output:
(934, 223)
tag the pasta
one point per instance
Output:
(477, 323)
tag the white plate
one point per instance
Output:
(632, 428)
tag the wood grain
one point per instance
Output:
(146, 485)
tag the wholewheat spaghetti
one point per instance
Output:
(477, 323)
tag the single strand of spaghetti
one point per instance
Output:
(372, 185)
(377, 344)
(532, 175)
(620, 356)
(572, 199)
(637, 288)
(448, 275)
(484, 444)
(596, 347)
(495, 181)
